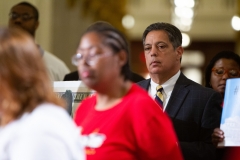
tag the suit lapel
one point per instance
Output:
(144, 84)
(178, 96)
(179, 93)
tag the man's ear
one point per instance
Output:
(36, 24)
(179, 52)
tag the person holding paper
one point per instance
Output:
(120, 121)
(224, 65)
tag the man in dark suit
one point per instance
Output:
(194, 110)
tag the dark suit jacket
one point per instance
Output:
(195, 111)
(73, 76)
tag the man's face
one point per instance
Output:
(22, 16)
(161, 58)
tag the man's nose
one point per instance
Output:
(154, 51)
(17, 20)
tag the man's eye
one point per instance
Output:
(161, 46)
(147, 48)
(14, 15)
(26, 16)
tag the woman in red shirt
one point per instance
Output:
(120, 121)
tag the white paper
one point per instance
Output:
(230, 122)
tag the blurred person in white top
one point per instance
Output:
(34, 122)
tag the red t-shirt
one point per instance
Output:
(134, 129)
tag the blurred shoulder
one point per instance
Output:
(51, 59)
(144, 83)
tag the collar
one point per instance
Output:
(167, 86)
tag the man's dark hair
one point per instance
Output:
(35, 10)
(114, 39)
(223, 54)
(174, 34)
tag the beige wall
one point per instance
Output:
(67, 27)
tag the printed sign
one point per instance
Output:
(73, 92)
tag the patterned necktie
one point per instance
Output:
(159, 96)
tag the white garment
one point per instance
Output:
(47, 133)
(57, 69)
(167, 88)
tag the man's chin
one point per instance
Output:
(156, 71)
(23, 29)
(18, 27)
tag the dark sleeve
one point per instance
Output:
(65, 78)
(136, 77)
(73, 76)
(203, 149)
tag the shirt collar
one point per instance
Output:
(168, 85)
